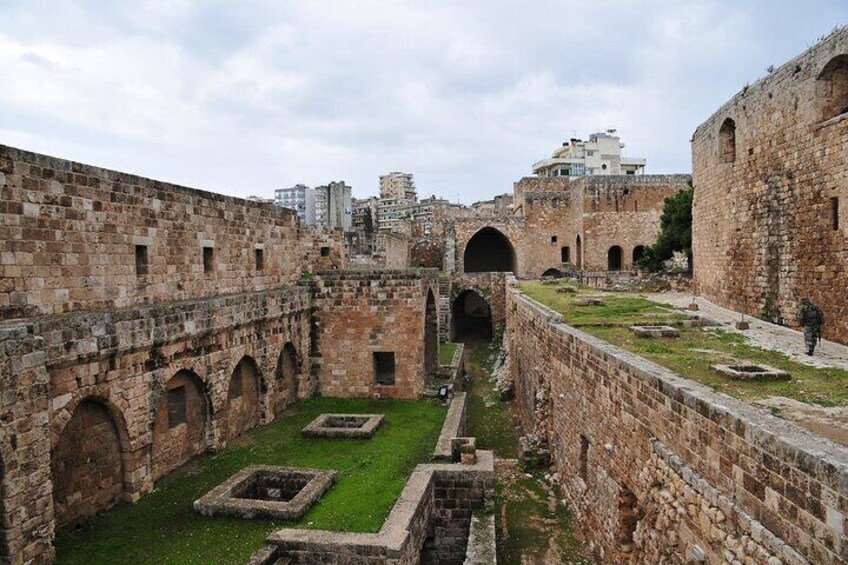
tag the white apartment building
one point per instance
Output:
(299, 198)
(600, 155)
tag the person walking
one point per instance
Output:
(811, 317)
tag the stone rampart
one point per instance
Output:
(769, 216)
(657, 467)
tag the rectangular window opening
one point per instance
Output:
(260, 259)
(208, 259)
(141, 263)
(325, 252)
(565, 254)
(584, 457)
(553, 239)
(176, 407)
(834, 212)
(384, 367)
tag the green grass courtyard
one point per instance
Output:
(163, 527)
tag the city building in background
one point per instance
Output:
(333, 206)
(299, 198)
(601, 155)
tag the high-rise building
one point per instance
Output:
(398, 185)
(299, 198)
(601, 155)
(333, 206)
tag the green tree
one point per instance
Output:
(675, 232)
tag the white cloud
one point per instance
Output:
(244, 97)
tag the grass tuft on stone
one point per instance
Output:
(163, 527)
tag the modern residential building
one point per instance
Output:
(499, 205)
(299, 198)
(362, 239)
(398, 186)
(333, 206)
(601, 155)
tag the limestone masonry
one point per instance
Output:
(769, 214)
(156, 322)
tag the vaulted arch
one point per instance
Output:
(287, 378)
(471, 315)
(489, 250)
(243, 397)
(180, 427)
(87, 463)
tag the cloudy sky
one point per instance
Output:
(246, 96)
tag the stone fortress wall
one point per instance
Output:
(769, 215)
(657, 468)
(573, 223)
(118, 364)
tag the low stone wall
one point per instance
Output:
(659, 468)
(453, 427)
(428, 524)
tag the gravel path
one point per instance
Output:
(764, 334)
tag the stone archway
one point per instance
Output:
(615, 259)
(471, 316)
(180, 430)
(243, 397)
(86, 465)
(489, 250)
(431, 334)
(638, 253)
(556, 273)
(287, 378)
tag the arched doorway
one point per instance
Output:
(179, 432)
(287, 377)
(472, 317)
(86, 465)
(638, 253)
(614, 259)
(578, 252)
(556, 273)
(431, 335)
(489, 250)
(243, 397)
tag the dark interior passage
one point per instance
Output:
(471, 316)
(488, 251)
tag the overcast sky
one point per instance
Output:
(243, 97)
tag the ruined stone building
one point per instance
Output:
(590, 223)
(769, 169)
(145, 323)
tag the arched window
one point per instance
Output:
(832, 88)
(638, 252)
(578, 252)
(614, 258)
(727, 141)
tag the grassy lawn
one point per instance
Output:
(692, 354)
(163, 527)
(446, 352)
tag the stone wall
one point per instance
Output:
(360, 316)
(78, 238)
(490, 286)
(769, 172)
(656, 467)
(567, 224)
(393, 249)
(322, 249)
(428, 524)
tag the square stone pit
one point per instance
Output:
(360, 426)
(751, 371)
(264, 491)
(655, 331)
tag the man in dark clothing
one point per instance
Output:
(811, 317)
